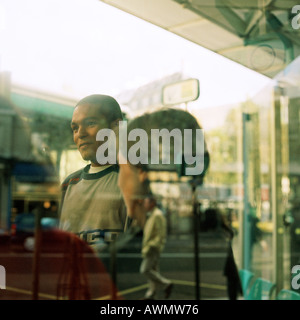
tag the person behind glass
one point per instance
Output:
(142, 206)
(215, 221)
(92, 204)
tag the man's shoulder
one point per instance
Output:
(158, 211)
(72, 178)
(158, 214)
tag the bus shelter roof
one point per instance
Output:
(262, 35)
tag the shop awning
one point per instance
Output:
(29, 100)
(259, 34)
(34, 172)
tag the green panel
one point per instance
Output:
(285, 294)
(246, 277)
(37, 105)
(260, 290)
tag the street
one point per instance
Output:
(96, 273)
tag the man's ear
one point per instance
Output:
(114, 125)
(142, 175)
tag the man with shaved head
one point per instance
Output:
(92, 205)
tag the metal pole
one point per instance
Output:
(5, 196)
(246, 261)
(5, 169)
(36, 257)
(196, 246)
(113, 266)
(276, 194)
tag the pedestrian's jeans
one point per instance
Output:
(150, 269)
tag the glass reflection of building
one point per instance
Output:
(259, 136)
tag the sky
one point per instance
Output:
(81, 47)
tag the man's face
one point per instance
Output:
(86, 122)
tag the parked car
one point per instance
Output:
(23, 229)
